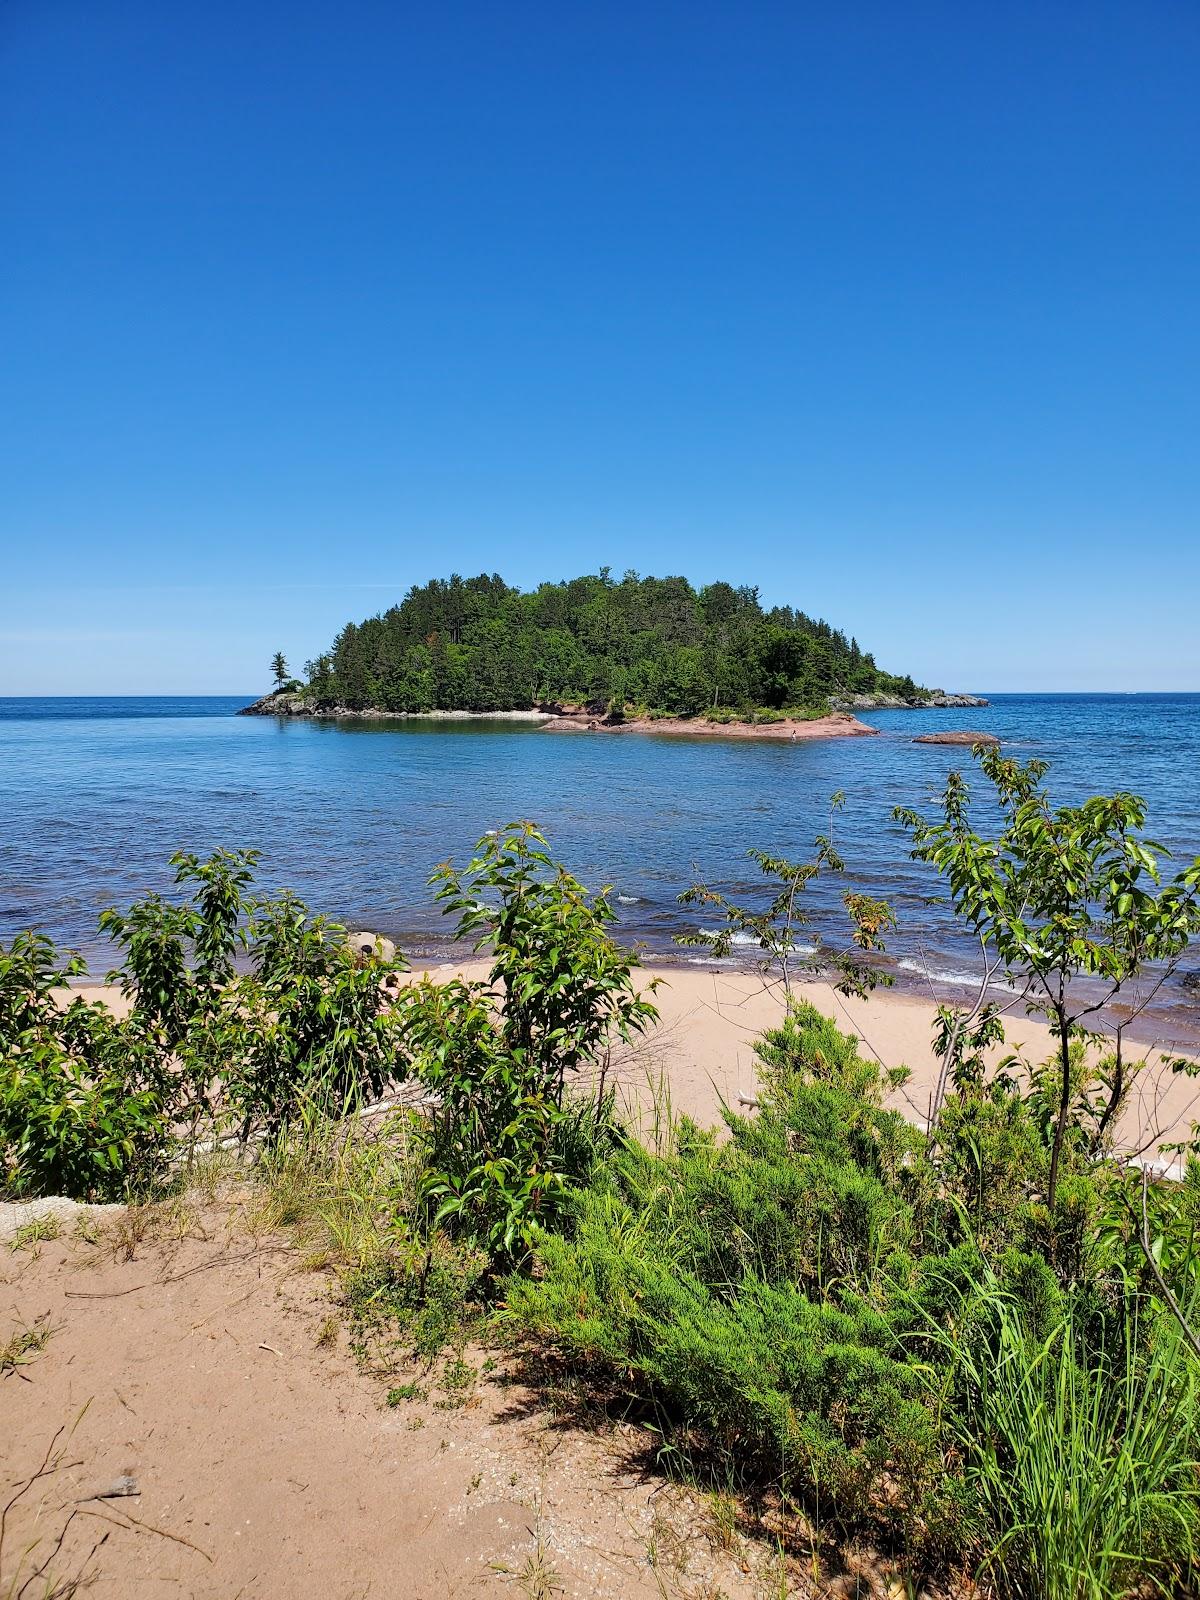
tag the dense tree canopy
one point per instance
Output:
(477, 644)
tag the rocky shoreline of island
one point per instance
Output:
(574, 719)
(839, 723)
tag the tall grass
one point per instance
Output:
(347, 1189)
(1084, 1469)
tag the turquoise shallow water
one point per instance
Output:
(95, 794)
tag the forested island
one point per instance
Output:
(637, 647)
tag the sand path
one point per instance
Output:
(270, 1464)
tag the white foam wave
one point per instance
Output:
(953, 979)
(742, 938)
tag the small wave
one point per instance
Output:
(743, 939)
(739, 937)
(956, 980)
(629, 899)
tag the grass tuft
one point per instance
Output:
(1084, 1467)
(24, 1345)
(37, 1231)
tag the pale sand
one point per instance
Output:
(210, 1364)
(701, 1054)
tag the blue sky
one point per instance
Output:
(893, 310)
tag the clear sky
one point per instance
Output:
(893, 310)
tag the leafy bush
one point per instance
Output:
(488, 1138)
(311, 1020)
(504, 1142)
(1063, 893)
(77, 1126)
(252, 1014)
(92, 1105)
(84, 1109)
(313, 1024)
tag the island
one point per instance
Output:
(598, 654)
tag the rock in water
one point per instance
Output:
(956, 736)
(279, 703)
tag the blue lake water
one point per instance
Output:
(95, 794)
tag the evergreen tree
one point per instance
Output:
(477, 644)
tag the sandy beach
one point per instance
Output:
(700, 1055)
(703, 1050)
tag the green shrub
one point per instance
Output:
(762, 1375)
(250, 1013)
(503, 1141)
(309, 1023)
(66, 1128)
(1062, 893)
(738, 1285)
(84, 1102)
(92, 1105)
(489, 1171)
(428, 1292)
(326, 1038)
(906, 1338)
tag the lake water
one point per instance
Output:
(95, 794)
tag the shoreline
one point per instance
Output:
(700, 1056)
(291, 706)
(837, 724)
(1171, 1025)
